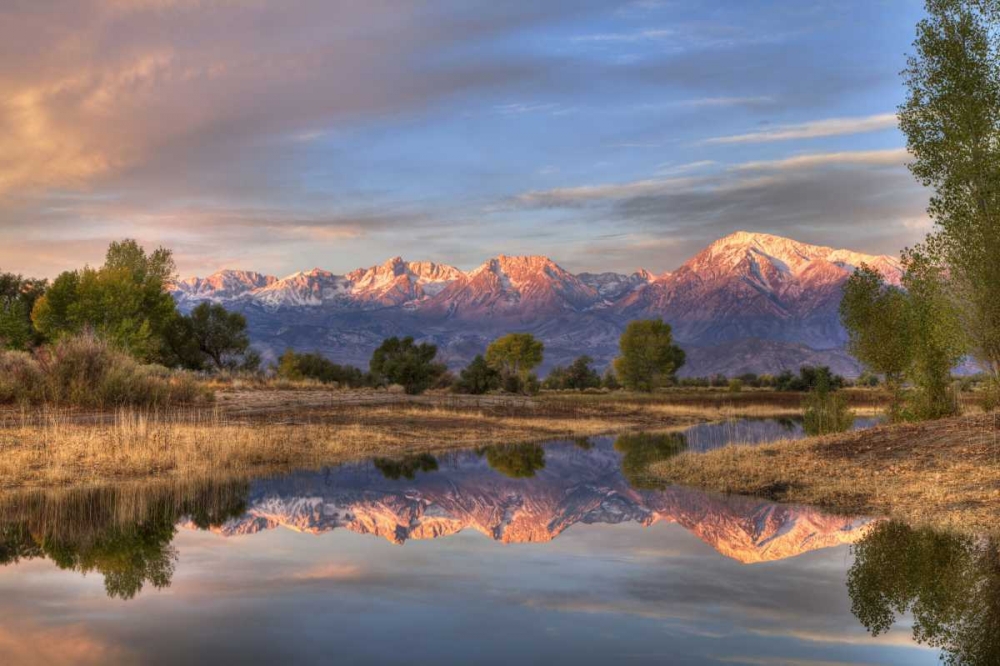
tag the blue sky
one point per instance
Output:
(609, 135)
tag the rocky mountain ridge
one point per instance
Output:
(746, 286)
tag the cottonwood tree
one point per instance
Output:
(879, 334)
(951, 119)
(649, 358)
(514, 356)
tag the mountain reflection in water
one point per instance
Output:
(129, 537)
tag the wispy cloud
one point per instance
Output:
(812, 130)
(890, 157)
(628, 37)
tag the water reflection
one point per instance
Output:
(950, 584)
(708, 436)
(124, 535)
(587, 502)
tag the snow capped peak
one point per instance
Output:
(761, 253)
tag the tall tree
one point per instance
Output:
(222, 337)
(17, 298)
(879, 333)
(514, 356)
(951, 119)
(125, 301)
(649, 358)
(939, 341)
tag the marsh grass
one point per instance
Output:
(60, 447)
(943, 474)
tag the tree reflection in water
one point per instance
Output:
(951, 585)
(406, 467)
(518, 461)
(639, 451)
(124, 534)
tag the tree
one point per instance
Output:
(610, 379)
(125, 302)
(649, 358)
(222, 337)
(577, 377)
(478, 378)
(296, 367)
(514, 356)
(17, 298)
(401, 361)
(876, 317)
(951, 119)
(940, 344)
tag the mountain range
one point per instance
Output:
(749, 302)
(577, 486)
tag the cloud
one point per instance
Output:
(875, 205)
(628, 37)
(812, 130)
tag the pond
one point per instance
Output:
(533, 554)
(708, 436)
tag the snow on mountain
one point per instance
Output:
(575, 487)
(612, 286)
(750, 285)
(528, 287)
(222, 286)
(305, 289)
(397, 282)
(746, 286)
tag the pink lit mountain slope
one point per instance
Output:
(747, 292)
(576, 488)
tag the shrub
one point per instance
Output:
(477, 378)
(21, 378)
(84, 371)
(735, 385)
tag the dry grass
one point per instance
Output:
(944, 474)
(59, 448)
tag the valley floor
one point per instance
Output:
(265, 430)
(944, 474)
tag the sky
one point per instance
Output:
(609, 135)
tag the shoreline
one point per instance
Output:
(942, 474)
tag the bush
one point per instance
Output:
(735, 385)
(477, 378)
(21, 378)
(402, 361)
(84, 371)
(297, 367)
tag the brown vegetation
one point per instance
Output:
(944, 474)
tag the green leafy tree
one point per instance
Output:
(221, 336)
(296, 367)
(609, 379)
(401, 361)
(941, 341)
(514, 356)
(877, 319)
(577, 377)
(951, 119)
(125, 302)
(17, 298)
(478, 377)
(649, 358)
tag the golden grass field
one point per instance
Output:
(944, 474)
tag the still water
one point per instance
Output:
(713, 435)
(523, 554)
